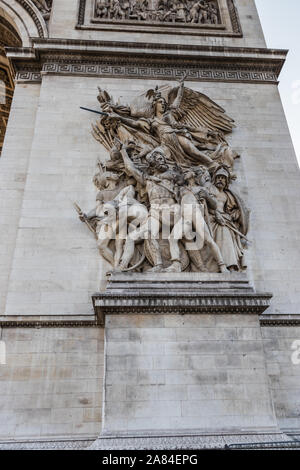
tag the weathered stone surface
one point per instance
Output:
(282, 352)
(198, 293)
(201, 379)
(49, 265)
(195, 442)
(256, 441)
(51, 383)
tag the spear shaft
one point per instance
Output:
(84, 218)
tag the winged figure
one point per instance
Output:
(188, 125)
(165, 147)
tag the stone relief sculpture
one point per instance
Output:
(164, 199)
(173, 11)
(44, 6)
(230, 220)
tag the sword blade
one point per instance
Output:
(237, 231)
(93, 111)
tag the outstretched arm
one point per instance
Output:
(140, 124)
(131, 169)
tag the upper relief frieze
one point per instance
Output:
(200, 17)
(194, 12)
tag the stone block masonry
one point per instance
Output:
(199, 372)
(284, 374)
(51, 384)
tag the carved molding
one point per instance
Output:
(28, 7)
(282, 320)
(234, 16)
(117, 67)
(213, 72)
(164, 304)
(29, 76)
(81, 12)
(264, 322)
(48, 323)
(137, 60)
(183, 293)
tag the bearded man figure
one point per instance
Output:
(229, 222)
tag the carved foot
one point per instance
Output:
(223, 268)
(174, 268)
(118, 269)
(156, 269)
(203, 269)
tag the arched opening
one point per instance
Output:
(9, 37)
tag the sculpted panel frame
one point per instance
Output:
(161, 16)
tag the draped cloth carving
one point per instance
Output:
(165, 201)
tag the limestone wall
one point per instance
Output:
(177, 372)
(50, 266)
(56, 266)
(56, 263)
(13, 174)
(51, 385)
(284, 374)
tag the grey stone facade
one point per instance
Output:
(51, 387)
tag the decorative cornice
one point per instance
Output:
(88, 45)
(141, 60)
(188, 304)
(187, 293)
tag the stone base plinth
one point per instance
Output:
(152, 293)
(183, 356)
(186, 372)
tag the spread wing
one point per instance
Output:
(196, 109)
(199, 110)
